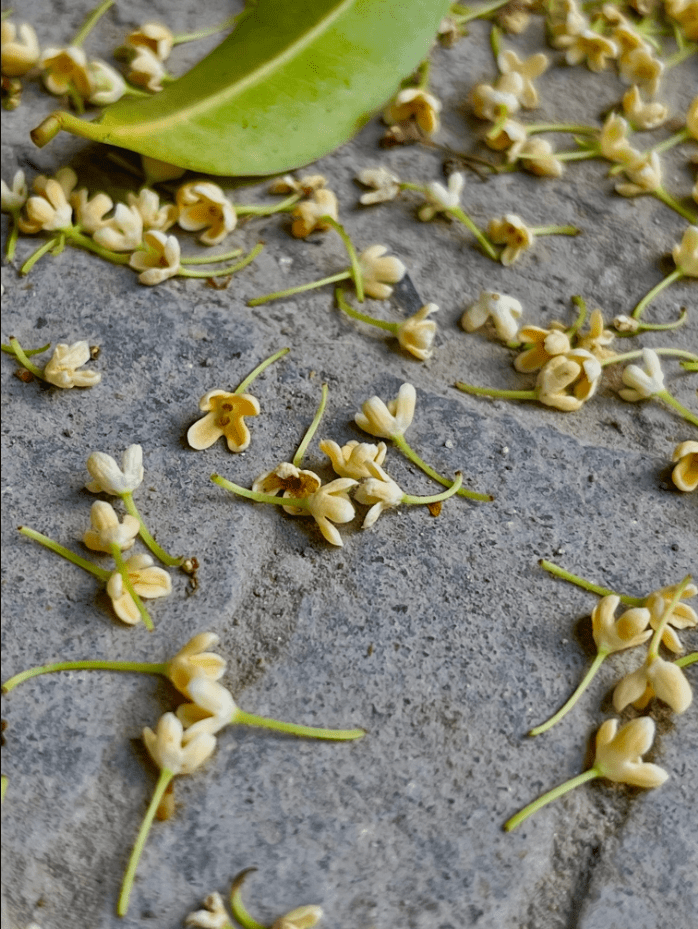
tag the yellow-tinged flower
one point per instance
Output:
(158, 260)
(379, 272)
(686, 254)
(147, 581)
(211, 710)
(194, 661)
(614, 635)
(306, 185)
(109, 478)
(685, 473)
(106, 84)
(20, 49)
(597, 338)
(510, 135)
(643, 115)
(692, 118)
(146, 69)
(416, 334)
(441, 199)
(655, 678)
(49, 211)
(682, 616)
(544, 344)
(502, 309)
(352, 459)
(684, 12)
(619, 753)
(567, 381)
(106, 530)
(123, 232)
(512, 232)
(639, 66)
(566, 19)
(385, 421)
(286, 478)
(385, 184)
(174, 750)
(154, 216)
(153, 36)
(61, 370)
(14, 198)
(380, 492)
(203, 205)
(538, 157)
(614, 140)
(591, 46)
(643, 384)
(66, 68)
(625, 323)
(644, 173)
(331, 504)
(214, 916)
(303, 917)
(90, 213)
(225, 416)
(493, 101)
(510, 63)
(414, 102)
(307, 216)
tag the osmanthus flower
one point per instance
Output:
(154, 216)
(302, 917)
(379, 271)
(503, 310)
(65, 69)
(385, 184)
(353, 459)
(309, 215)
(643, 383)
(512, 232)
(213, 916)
(147, 581)
(416, 334)
(566, 19)
(146, 69)
(538, 157)
(203, 205)
(644, 174)
(613, 140)
(154, 36)
(567, 381)
(304, 186)
(14, 198)
(123, 232)
(685, 12)
(618, 758)
(642, 114)
(289, 480)
(692, 118)
(108, 477)
(610, 635)
(49, 210)
(62, 368)
(685, 256)
(106, 84)
(381, 492)
(414, 103)
(491, 102)
(90, 213)
(685, 473)
(589, 46)
(225, 416)
(106, 530)
(529, 69)
(540, 346)
(597, 339)
(20, 49)
(194, 662)
(158, 259)
(212, 707)
(509, 136)
(681, 616)
(640, 67)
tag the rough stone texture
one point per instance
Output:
(442, 636)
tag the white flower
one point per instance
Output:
(625, 323)
(147, 70)
(109, 478)
(303, 917)
(153, 36)
(686, 254)
(441, 199)
(639, 66)
(308, 215)
(416, 334)
(212, 708)
(567, 381)
(512, 232)
(643, 384)
(193, 661)
(20, 49)
(148, 582)
(543, 344)
(614, 140)
(414, 102)
(106, 84)
(203, 205)
(331, 504)
(106, 530)
(159, 260)
(644, 173)
(491, 102)
(154, 216)
(292, 481)
(656, 677)
(589, 45)
(172, 750)
(685, 473)
(378, 272)
(65, 68)
(61, 370)
(538, 157)
(386, 421)
(385, 184)
(510, 63)
(49, 211)
(225, 416)
(90, 213)
(215, 916)
(380, 492)
(643, 115)
(619, 753)
(306, 185)
(352, 459)
(615, 635)
(503, 310)
(510, 135)
(682, 616)
(14, 198)
(123, 232)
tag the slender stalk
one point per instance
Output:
(39, 253)
(243, 385)
(575, 156)
(679, 407)
(496, 42)
(682, 135)
(27, 351)
(214, 259)
(160, 788)
(657, 327)
(91, 21)
(237, 906)
(485, 243)
(83, 563)
(657, 289)
(560, 127)
(21, 356)
(13, 236)
(204, 33)
(410, 453)
(580, 303)
(356, 274)
(73, 234)
(674, 205)
(629, 356)
(551, 795)
(552, 568)
(312, 429)
(130, 589)
(411, 500)
(555, 230)
(363, 317)
(143, 667)
(583, 684)
(248, 209)
(687, 660)
(241, 718)
(248, 259)
(690, 48)
(653, 651)
(259, 497)
(5, 779)
(497, 394)
(172, 561)
(342, 276)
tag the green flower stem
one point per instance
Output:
(342, 276)
(241, 718)
(602, 654)
(27, 351)
(39, 253)
(657, 289)
(123, 571)
(363, 317)
(21, 356)
(551, 795)
(214, 259)
(143, 667)
(555, 230)
(171, 561)
(301, 502)
(552, 568)
(312, 429)
(248, 259)
(5, 779)
(91, 21)
(689, 365)
(204, 33)
(497, 394)
(423, 74)
(690, 48)
(580, 303)
(83, 563)
(73, 234)
(411, 500)
(674, 204)
(475, 12)
(495, 42)
(160, 788)
(687, 660)
(485, 243)
(657, 327)
(410, 453)
(13, 236)
(243, 385)
(653, 652)
(356, 274)
(248, 209)
(237, 906)
(503, 116)
(576, 156)
(628, 356)
(679, 407)
(560, 127)
(682, 135)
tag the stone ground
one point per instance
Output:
(442, 636)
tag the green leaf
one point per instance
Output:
(292, 82)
